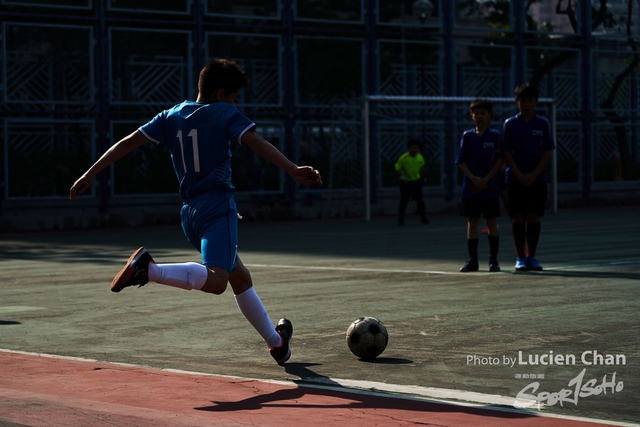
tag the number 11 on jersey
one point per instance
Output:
(196, 157)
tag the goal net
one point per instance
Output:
(438, 123)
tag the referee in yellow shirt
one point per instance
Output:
(410, 167)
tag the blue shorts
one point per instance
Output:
(210, 222)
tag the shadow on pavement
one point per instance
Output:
(346, 398)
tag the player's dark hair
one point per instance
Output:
(413, 142)
(224, 74)
(525, 90)
(478, 104)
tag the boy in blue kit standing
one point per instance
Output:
(527, 144)
(199, 136)
(480, 160)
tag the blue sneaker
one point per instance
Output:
(521, 264)
(533, 264)
(494, 265)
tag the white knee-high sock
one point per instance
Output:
(188, 275)
(251, 306)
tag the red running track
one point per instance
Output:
(47, 391)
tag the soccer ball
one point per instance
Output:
(367, 337)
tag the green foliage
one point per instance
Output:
(496, 12)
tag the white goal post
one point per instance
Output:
(367, 99)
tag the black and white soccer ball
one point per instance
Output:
(367, 337)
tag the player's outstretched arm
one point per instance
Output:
(118, 150)
(305, 175)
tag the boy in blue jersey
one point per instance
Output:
(480, 159)
(527, 143)
(199, 136)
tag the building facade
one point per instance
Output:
(77, 75)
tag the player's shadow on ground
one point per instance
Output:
(346, 398)
(302, 371)
(9, 322)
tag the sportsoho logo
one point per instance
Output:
(581, 386)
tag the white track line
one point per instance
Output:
(438, 272)
(418, 393)
(369, 270)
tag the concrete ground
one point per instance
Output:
(473, 337)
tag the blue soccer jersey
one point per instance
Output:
(199, 138)
(527, 142)
(480, 153)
